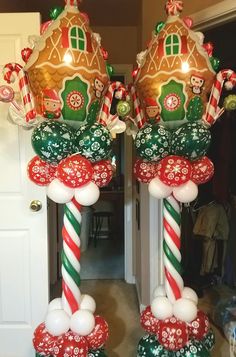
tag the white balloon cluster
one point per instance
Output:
(82, 322)
(184, 193)
(184, 309)
(85, 195)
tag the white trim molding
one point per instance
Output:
(215, 15)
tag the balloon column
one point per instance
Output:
(175, 76)
(67, 96)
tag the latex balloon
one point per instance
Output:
(158, 189)
(88, 194)
(55, 304)
(59, 193)
(149, 347)
(161, 308)
(186, 193)
(145, 171)
(202, 170)
(97, 353)
(82, 322)
(209, 340)
(174, 170)
(57, 322)
(93, 142)
(53, 141)
(190, 294)
(87, 303)
(123, 108)
(152, 142)
(193, 349)
(215, 62)
(55, 12)
(200, 326)
(98, 337)
(148, 321)
(159, 291)
(74, 171)
(102, 173)
(185, 310)
(71, 345)
(172, 334)
(43, 341)
(40, 172)
(110, 69)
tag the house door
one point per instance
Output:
(23, 233)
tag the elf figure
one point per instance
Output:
(196, 83)
(51, 104)
(152, 110)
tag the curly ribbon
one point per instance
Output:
(171, 246)
(106, 107)
(174, 7)
(70, 257)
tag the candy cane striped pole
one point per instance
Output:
(106, 107)
(171, 247)
(10, 71)
(212, 113)
(174, 7)
(139, 115)
(71, 256)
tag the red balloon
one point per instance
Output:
(199, 327)
(145, 171)
(43, 341)
(98, 337)
(102, 173)
(202, 170)
(172, 334)
(40, 172)
(74, 171)
(148, 321)
(70, 345)
(174, 170)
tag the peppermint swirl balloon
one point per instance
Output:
(53, 141)
(93, 142)
(152, 142)
(149, 346)
(191, 140)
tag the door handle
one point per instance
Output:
(35, 205)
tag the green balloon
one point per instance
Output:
(209, 340)
(215, 63)
(152, 142)
(149, 346)
(53, 141)
(93, 142)
(97, 353)
(191, 140)
(110, 69)
(55, 12)
(123, 108)
(159, 26)
(192, 349)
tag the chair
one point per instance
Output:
(102, 222)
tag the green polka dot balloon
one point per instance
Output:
(53, 141)
(209, 340)
(191, 140)
(97, 353)
(152, 142)
(93, 142)
(192, 349)
(149, 346)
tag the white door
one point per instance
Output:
(23, 233)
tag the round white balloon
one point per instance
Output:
(190, 294)
(55, 304)
(159, 291)
(186, 193)
(87, 194)
(161, 308)
(185, 310)
(59, 193)
(82, 322)
(158, 189)
(57, 322)
(87, 303)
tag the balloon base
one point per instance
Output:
(92, 353)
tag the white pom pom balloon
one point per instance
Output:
(59, 193)
(87, 303)
(55, 304)
(185, 310)
(158, 189)
(87, 194)
(162, 308)
(57, 322)
(186, 193)
(82, 322)
(159, 291)
(190, 294)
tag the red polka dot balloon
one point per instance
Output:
(40, 172)
(172, 334)
(148, 321)
(70, 345)
(102, 173)
(75, 171)
(174, 170)
(43, 341)
(145, 171)
(98, 337)
(202, 170)
(199, 327)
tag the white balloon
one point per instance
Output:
(87, 194)
(57, 322)
(59, 193)
(159, 291)
(82, 322)
(185, 310)
(87, 303)
(186, 193)
(161, 308)
(55, 304)
(190, 294)
(158, 189)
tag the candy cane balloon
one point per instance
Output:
(10, 71)
(171, 246)
(138, 111)
(106, 107)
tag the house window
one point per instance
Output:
(172, 45)
(77, 39)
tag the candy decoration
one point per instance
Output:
(139, 115)
(212, 113)
(98, 337)
(71, 256)
(7, 96)
(171, 246)
(8, 71)
(174, 7)
(149, 347)
(172, 334)
(26, 53)
(202, 170)
(102, 173)
(106, 107)
(145, 171)
(148, 321)
(199, 327)
(174, 170)
(40, 172)
(230, 102)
